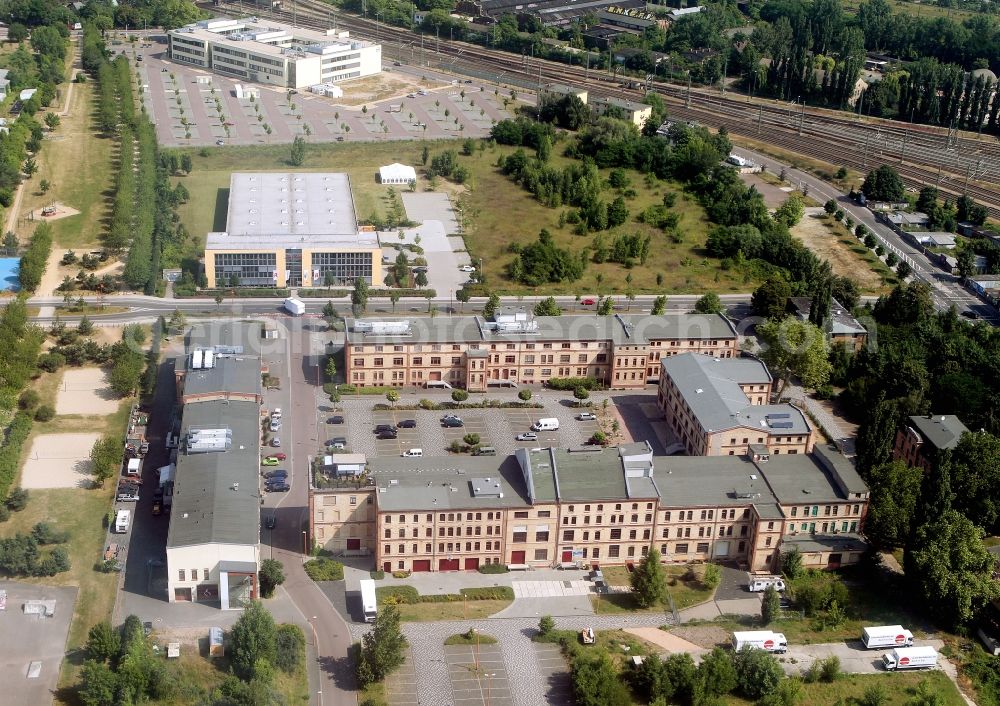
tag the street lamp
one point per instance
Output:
(305, 543)
(489, 686)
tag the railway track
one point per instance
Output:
(923, 155)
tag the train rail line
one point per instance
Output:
(923, 155)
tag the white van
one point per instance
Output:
(761, 583)
(122, 520)
(413, 453)
(437, 385)
(545, 424)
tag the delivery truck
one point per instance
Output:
(886, 636)
(121, 521)
(294, 306)
(368, 601)
(760, 640)
(924, 657)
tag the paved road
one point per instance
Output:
(333, 675)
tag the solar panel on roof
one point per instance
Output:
(781, 425)
(779, 415)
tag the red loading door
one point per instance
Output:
(421, 565)
(517, 557)
(567, 556)
(471, 564)
(448, 565)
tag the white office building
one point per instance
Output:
(273, 53)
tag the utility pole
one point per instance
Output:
(725, 68)
(867, 137)
(902, 152)
(760, 118)
(689, 90)
(802, 117)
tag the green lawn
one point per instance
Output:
(685, 590)
(488, 205)
(464, 638)
(456, 610)
(78, 163)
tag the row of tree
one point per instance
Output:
(35, 257)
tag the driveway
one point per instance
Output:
(439, 237)
(854, 658)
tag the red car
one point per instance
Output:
(588, 301)
(280, 457)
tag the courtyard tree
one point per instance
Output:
(392, 396)
(272, 575)
(649, 580)
(757, 672)
(547, 307)
(298, 153)
(252, 638)
(660, 304)
(381, 648)
(795, 348)
(359, 296)
(770, 607)
(581, 394)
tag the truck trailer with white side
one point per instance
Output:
(886, 636)
(294, 306)
(368, 601)
(760, 640)
(923, 657)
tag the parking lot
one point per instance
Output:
(497, 428)
(478, 680)
(194, 107)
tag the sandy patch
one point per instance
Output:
(384, 86)
(52, 277)
(85, 391)
(704, 636)
(826, 244)
(59, 461)
(773, 195)
(62, 211)
(666, 640)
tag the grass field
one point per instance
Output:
(918, 9)
(488, 205)
(900, 689)
(684, 593)
(78, 164)
(456, 610)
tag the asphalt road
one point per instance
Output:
(332, 676)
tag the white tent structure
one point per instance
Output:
(397, 173)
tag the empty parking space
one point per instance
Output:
(478, 676)
(401, 685)
(555, 674)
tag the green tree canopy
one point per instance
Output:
(883, 184)
(770, 299)
(709, 304)
(649, 580)
(252, 638)
(795, 348)
(895, 489)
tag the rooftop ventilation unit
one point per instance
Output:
(485, 488)
(209, 359)
(781, 425)
(383, 328)
(197, 358)
(202, 441)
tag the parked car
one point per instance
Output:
(389, 434)
(467, 268)
(413, 453)
(384, 427)
(279, 456)
(453, 422)
(588, 301)
(278, 487)
(408, 424)
(586, 417)
(335, 420)
(337, 442)
(270, 522)
(449, 416)
(275, 425)
(276, 442)
(527, 436)
(269, 461)
(220, 143)
(277, 473)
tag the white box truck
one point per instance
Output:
(121, 521)
(924, 657)
(886, 636)
(294, 306)
(760, 640)
(761, 583)
(368, 601)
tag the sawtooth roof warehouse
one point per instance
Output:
(274, 53)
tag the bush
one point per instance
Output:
(459, 395)
(44, 413)
(44, 533)
(830, 669)
(17, 500)
(324, 569)
(524, 395)
(400, 574)
(712, 576)
(488, 593)
(272, 575)
(397, 595)
(28, 400)
(290, 645)
(4, 513)
(10, 458)
(546, 625)
(875, 695)
(570, 384)
(471, 439)
(377, 575)
(493, 569)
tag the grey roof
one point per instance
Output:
(942, 431)
(826, 542)
(686, 481)
(206, 508)
(622, 329)
(245, 336)
(842, 468)
(628, 105)
(445, 483)
(844, 322)
(798, 479)
(290, 209)
(769, 511)
(585, 473)
(711, 388)
(231, 374)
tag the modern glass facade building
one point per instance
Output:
(291, 230)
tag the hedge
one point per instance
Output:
(588, 383)
(396, 595)
(10, 452)
(238, 292)
(493, 569)
(432, 405)
(323, 569)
